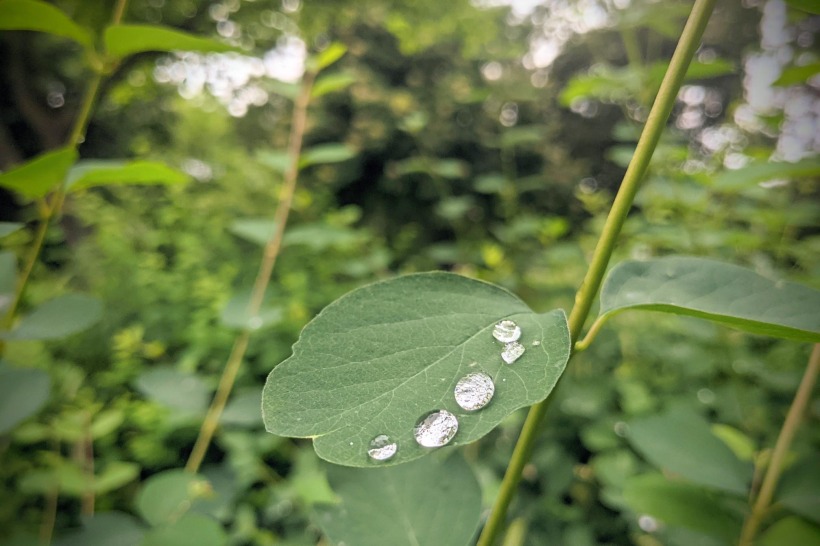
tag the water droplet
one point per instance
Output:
(436, 429)
(351, 443)
(648, 524)
(255, 323)
(536, 343)
(512, 352)
(506, 331)
(474, 391)
(381, 448)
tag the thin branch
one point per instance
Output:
(781, 450)
(584, 298)
(274, 244)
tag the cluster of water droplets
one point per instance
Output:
(508, 333)
(472, 392)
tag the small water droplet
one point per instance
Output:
(381, 448)
(621, 429)
(351, 443)
(474, 391)
(512, 352)
(436, 429)
(536, 343)
(506, 331)
(255, 323)
(648, 524)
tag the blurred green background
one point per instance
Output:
(486, 138)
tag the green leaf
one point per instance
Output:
(275, 159)
(429, 502)
(315, 236)
(189, 530)
(795, 75)
(330, 55)
(7, 228)
(809, 6)
(326, 153)
(682, 443)
(382, 357)
(8, 279)
(243, 409)
(115, 475)
(799, 489)
(331, 83)
(103, 529)
(36, 177)
(168, 495)
(41, 17)
(57, 318)
(716, 291)
(235, 314)
(741, 445)
(255, 230)
(23, 391)
(175, 389)
(762, 171)
(680, 504)
(124, 40)
(86, 174)
(790, 530)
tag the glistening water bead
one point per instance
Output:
(381, 448)
(512, 352)
(474, 391)
(436, 429)
(506, 331)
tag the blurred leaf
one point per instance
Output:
(36, 177)
(489, 183)
(285, 89)
(235, 314)
(86, 174)
(23, 391)
(330, 55)
(809, 6)
(115, 475)
(330, 83)
(104, 529)
(218, 500)
(697, 70)
(41, 17)
(255, 230)
(391, 352)
(445, 168)
(799, 489)
(7, 228)
(680, 504)
(8, 279)
(681, 443)
(519, 136)
(279, 161)
(175, 389)
(106, 422)
(308, 481)
(716, 291)
(761, 171)
(166, 496)
(326, 153)
(741, 445)
(430, 502)
(57, 318)
(124, 40)
(795, 75)
(790, 530)
(320, 237)
(243, 409)
(189, 530)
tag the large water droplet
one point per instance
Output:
(474, 391)
(437, 429)
(506, 331)
(381, 448)
(512, 352)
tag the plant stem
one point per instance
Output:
(655, 124)
(781, 449)
(50, 211)
(260, 285)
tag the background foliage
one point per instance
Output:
(447, 137)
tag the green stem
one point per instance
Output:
(52, 210)
(655, 124)
(272, 247)
(583, 344)
(781, 450)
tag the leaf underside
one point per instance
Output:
(382, 357)
(717, 291)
